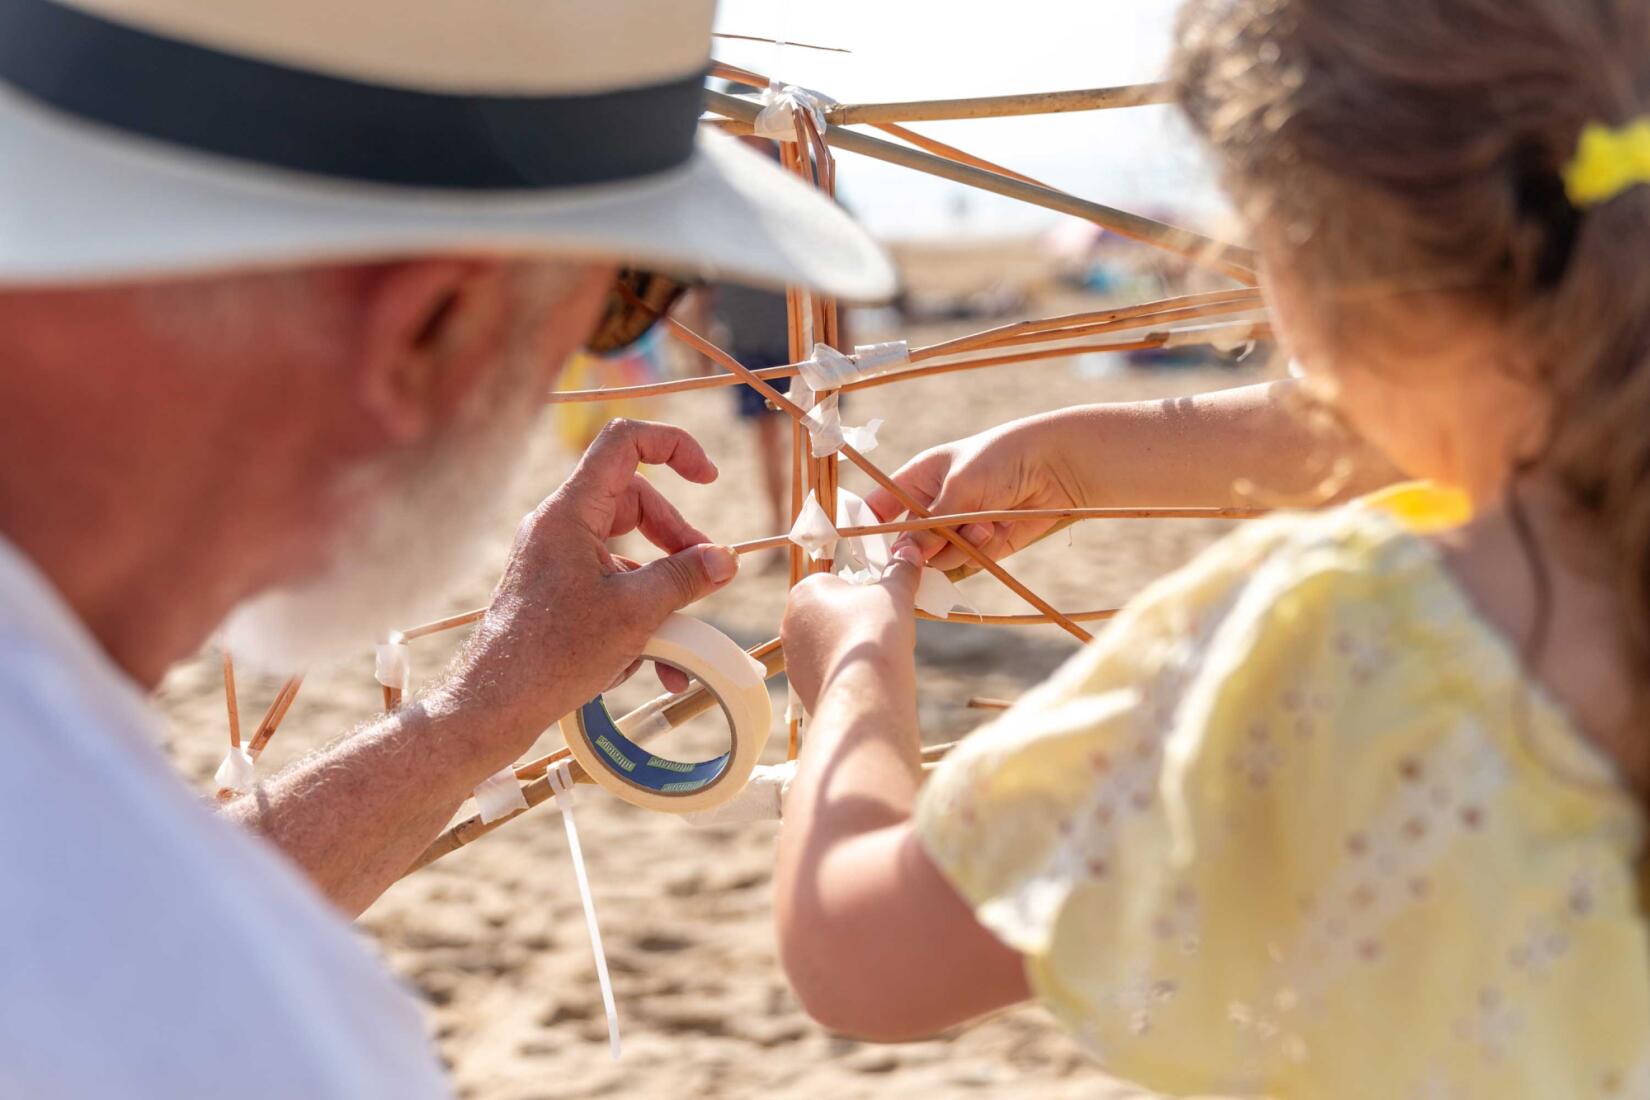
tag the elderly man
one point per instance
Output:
(282, 283)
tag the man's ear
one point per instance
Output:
(430, 331)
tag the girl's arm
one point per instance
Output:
(1242, 447)
(873, 938)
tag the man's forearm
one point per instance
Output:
(355, 815)
(1241, 447)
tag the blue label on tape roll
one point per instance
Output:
(634, 764)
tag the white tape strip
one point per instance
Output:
(830, 369)
(824, 424)
(861, 559)
(863, 439)
(937, 595)
(763, 799)
(736, 679)
(875, 359)
(237, 772)
(813, 530)
(561, 781)
(499, 795)
(391, 666)
(782, 102)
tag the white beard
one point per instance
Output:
(419, 529)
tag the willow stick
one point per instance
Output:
(991, 339)
(1146, 343)
(1191, 307)
(229, 699)
(951, 152)
(1230, 260)
(799, 563)
(1000, 106)
(464, 618)
(778, 42)
(969, 618)
(981, 702)
(1009, 515)
(872, 471)
(738, 75)
(274, 716)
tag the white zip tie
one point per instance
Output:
(561, 781)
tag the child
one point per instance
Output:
(1351, 806)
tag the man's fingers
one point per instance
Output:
(672, 679)
(670, 584)
(624, 445)
(644, 508)
(902, 576)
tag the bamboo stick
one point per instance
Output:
(1230, 260)
(1000, 106)
(876, 474)
(229, 699)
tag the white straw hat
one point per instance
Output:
(143, 138)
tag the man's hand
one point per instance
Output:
(568, 617)
(831, 624)
(1016, 465)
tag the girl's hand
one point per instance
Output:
(831, 626)
(1015, 465)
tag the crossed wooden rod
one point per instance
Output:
(814, 318)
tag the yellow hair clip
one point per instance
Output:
(1608, 162)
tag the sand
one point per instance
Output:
(492, 937)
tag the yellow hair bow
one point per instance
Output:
(1608, 162)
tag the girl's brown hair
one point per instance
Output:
(1402, 146)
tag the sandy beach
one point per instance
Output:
(492, 938)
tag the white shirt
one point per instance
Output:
(149, 948)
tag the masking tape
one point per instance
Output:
(499, 795)
(643, 779)
(237, 772)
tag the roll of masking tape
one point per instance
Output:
(739, 684)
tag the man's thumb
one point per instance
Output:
(670, 584)
(904, 573)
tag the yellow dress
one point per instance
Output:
(1296, 825)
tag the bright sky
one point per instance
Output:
(1141, 158)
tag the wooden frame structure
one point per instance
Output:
(1224, 315)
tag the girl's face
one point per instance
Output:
(1435, 392)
